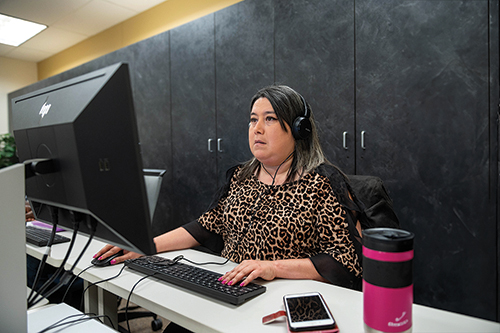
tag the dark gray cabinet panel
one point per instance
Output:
(494, 66)
(151, 82)
(314, 54)
(422, 97)
(245, 63)
(192, 73)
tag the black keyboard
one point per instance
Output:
(40, 237)
(194, 278)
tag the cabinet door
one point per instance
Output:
(244, 61)
(422, 100)
(151, 87)
(314, 50)
(193, 118)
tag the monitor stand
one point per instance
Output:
(13, 314)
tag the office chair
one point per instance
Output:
(153, 179)
(377, 207)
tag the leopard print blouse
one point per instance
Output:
(295, 220)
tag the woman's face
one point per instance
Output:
(268, 141)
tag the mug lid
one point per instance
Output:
(388, 239)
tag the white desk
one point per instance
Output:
(43, 317)
(58, 251)
(202, 314)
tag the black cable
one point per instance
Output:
(175, 260)
(73, 281)
(205, 263)
(257, 201)
(67, 275)
(60, 269)
(84, 317)
(130, 294)
(54, 212)
(181, 257)
(178, 258)
(279, 166)
(96, 283)
(91, 236)
(57, 323)
(64, 280)
(41, 266)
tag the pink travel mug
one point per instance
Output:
(387, 280)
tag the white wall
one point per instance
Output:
(14, 74)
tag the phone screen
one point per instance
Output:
(307, 311)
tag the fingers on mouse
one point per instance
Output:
(106, 261)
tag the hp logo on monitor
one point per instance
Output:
(45, 109)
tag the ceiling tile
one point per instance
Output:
(94, 17)
(4, 49)
(28, 54)
(137, 6)
(53, 40)
(41, 11)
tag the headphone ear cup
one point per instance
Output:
(301, 129)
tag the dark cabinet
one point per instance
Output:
(401, 90)
(245, 63)
(217, 63)
(314, 54)
(422, 100)
(192, 73)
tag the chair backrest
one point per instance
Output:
(378, 211)
(153, 179)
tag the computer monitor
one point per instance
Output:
(86, 129)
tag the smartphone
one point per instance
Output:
(308, 312)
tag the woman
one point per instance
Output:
(286, 213)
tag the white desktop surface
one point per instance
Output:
(203, 314)
(43, 317)
(58, 251)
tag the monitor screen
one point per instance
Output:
(86, 128)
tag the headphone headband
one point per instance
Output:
(306, 110)
(302, 128)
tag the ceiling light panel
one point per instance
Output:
(14, 31)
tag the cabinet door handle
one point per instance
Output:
(344, 140)
(210, 145)
(363, 139)
(219, 145)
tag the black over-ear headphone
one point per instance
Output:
(301, 128)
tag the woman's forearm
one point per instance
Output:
(296, 269)
(176, 239)
(248, 270)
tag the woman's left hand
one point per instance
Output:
(28, 212)
(247, 271)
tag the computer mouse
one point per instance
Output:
(107, 261)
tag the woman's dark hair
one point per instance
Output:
(288, 105)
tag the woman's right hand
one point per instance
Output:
(109, 250)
